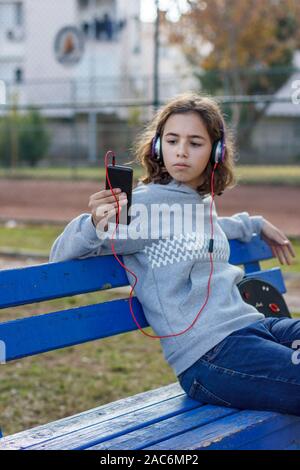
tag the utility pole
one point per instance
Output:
(92, 114)
(156, 58)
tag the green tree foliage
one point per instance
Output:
(239, 48)
(23, 139)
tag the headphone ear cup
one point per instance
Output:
(157, 148)
(217, 152)
(158, 151)
(213, 152)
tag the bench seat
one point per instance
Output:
(165, 418)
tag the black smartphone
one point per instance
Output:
(121, 177)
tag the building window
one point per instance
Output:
(19, 14)
(18, 75)
(83, 4)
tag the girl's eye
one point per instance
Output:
(194, 144)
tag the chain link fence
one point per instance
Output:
(82, 120)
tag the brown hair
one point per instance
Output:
(211, 115)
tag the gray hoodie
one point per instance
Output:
(172, 264)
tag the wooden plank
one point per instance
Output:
(103, 413)
(150, 434)
(69, 327)
(236, 431)
(54, 280)
(287, 437)
(256, 250)
(251, 267)
(99, 432)
(273, 276)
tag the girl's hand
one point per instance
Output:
(103, 206)
(279, 243)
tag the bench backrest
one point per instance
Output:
(42, 333)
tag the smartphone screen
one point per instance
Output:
(121, 177)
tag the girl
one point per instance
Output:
(226, 352)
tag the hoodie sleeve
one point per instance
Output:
(241, 226)
(80, 238)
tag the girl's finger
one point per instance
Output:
(291, 249)
(105, 193)
(273, 251)
(104, 208)
(287, 254)
(287, 244)
(284, 255)
(278, 254)
(108, 198)
(112, 213)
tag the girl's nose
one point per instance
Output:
(181, 151)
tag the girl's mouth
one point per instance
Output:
(181, 165)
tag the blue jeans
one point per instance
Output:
(255, 368)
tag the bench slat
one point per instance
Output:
(43, 433)
(236, 431)
(92, 435)
(283, 439)
(273, 276)
(81, 324)
(55, 280)
(69, 327)
(151, 434)
(254, 251)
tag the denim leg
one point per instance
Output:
(285, 330)
(250, 369)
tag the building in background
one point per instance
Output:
(276, 136)
(87, 61)
(53, 53)
(12, 41)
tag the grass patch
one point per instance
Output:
(247, 174)
(288, 175)
(33, 238)
(80, 173)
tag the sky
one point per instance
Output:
(148, 8)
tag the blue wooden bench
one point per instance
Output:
(165, 418)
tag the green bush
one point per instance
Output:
(23, 139)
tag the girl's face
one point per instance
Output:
(186, 141)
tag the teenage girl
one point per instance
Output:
(223, 351)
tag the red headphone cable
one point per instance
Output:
(120, 262)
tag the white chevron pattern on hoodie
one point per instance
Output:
(186, 247)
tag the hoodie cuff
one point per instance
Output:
(257, 223)
(89, 232)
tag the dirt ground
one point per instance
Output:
(60, 201)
